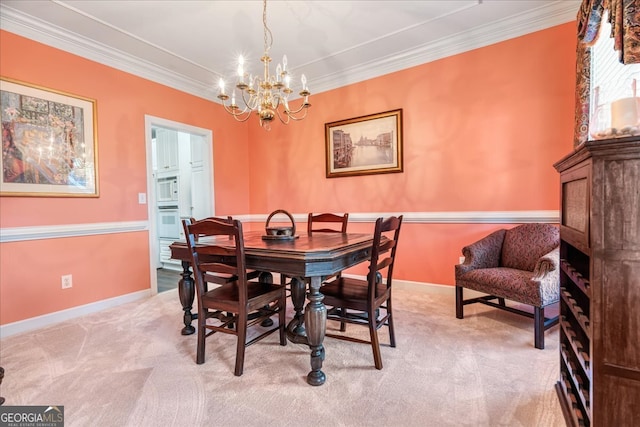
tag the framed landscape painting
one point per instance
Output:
(364, 145)
(49, 146)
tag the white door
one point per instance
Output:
(200, 182)
(198, 199)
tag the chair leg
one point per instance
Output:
(375, 344)
(343, 314)
(241, 345)
(202, 331)
(538, 327)
(392, 332)
(459, 303)
(282, 320)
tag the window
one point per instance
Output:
(615, 110)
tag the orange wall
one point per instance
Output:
(481, 132)
(116, 264)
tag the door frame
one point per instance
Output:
(149, 123)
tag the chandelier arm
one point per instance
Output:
(242, 119)
(304, 106)
(284, 121)
(248, 102)
(237, 114)
(299, 118)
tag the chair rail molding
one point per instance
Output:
(470, 217)
(18, 234)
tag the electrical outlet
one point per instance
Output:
(142, 198)
(67, 281)
(461, 260)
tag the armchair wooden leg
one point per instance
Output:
(538, 327)
(459, 303)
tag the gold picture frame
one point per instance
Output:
(49, 143)
(364, 145)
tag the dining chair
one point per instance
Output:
(368, 302)
(251, 274)
(231, 307)
(327, 223)
(319, 223)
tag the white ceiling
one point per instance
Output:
(189, 45)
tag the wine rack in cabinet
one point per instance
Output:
(599, 382)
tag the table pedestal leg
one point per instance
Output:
(295, 330)
(265, 277)
(315, 318)
(186, 291)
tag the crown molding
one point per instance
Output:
(552, 14)
(36, 29)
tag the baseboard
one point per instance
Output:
(71, 313)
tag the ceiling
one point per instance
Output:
(189, 45)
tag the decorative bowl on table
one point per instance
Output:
(280, 232)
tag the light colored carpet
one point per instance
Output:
(129, 366)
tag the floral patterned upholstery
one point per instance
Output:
(520, 264)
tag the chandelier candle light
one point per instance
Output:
(269, 96)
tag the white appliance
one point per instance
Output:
(169, 223)
(168, 191)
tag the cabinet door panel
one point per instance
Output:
(620, 316)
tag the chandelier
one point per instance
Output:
(267, 97)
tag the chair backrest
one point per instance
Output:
(320, 223)
(383, 254)
(525, 244)
(193, 220)
(215, 259)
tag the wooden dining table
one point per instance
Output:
(307, 259)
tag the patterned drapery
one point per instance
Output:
(583, 89)
(624, 16)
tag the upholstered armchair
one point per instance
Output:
(521, 265)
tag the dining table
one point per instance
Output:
(306, 259)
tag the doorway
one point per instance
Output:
(179, 186)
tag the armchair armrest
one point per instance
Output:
(485, 253)
(547, 263)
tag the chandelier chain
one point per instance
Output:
(268, 42)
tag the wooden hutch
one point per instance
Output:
(599, 382)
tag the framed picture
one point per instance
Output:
(364, 145)
(49, 146)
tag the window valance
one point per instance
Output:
(624, 17)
